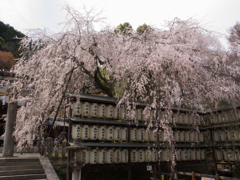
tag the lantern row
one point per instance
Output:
(109, 133)
(227, 155)
(227, 135)
(102, 111)
(225, 116)
(109, 156)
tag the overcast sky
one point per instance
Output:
(217, 15)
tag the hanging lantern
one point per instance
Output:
(215, 119)
(224, 155)
(153, 136)
(117, 156)
(170, 155)
(190, 119)
(203, 156)
(235, 135)
(124, 134)
(164, 155)
(177, 135)
(85, 132)
(184, 154)
(186, 119)
(222, 135)
(179, 155)
(161, 136)
(218, 155)
(116, 113)
(197, 138)
(86, 110)
(237, 155)
(124, 156)
(147, 135)
(93, 156)
(77, 111)
(176, 118)
(228, 135)
(101, 133)
(192, 136)
(109, 135)
(193, 151)
(216, 136)
(201, 138)
(76, 130)
(141, 155)
(109, 112)
(94, 110)
(139, 115)
(123, 113)
(93, 132)
(86, 156)
(182, 136)
(189, 153)
(133, 134)
(117, 133)
(187, 136)
(147, 155)
(219, 118)
(198, 120)
(109, 156)
(101, 156)
(154, 155)
(101, 111)
(182, 119)
(198, 154)
(231, 156)
(140, 134)
(134, 156)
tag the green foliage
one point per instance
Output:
(125, 29)
(141, 29)
(8, 34)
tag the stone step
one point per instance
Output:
(18, 160)
(21, 172)
(3, 168)
(25, 163)
(24, 177)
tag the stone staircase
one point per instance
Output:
(21, 169)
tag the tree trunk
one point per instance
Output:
(8, 145)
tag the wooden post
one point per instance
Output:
(8, 144)
(217, 177)
(193, 176)
(63, 150)
(129, 157)
(155, 172)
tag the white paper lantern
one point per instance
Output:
(109, 156)
(133, 134)
(109, 134)
(186, 119)
(147, 135)
(117, 156)
(77, 111)
(190, 119)
(182, 118)
(140, 134)
(86, 109)
(215, 119)
(154, 155)
(94, 110)
(222, 135)
(197, 137)
(139, 114)
(176, 118)
(219, 118)
(235, 135)
(124, 134)
(134, 156)
(179, 154)
(193, 151)
(203, 156)
(76, 130)
(101, 156)
(123, 113)
(93, 156)
(153, 136)
(224, 155)
(101, 133)
(93, 132)
(124, 156)
(101, 111)
(218, 155)
(198, 154)
(192, 136)
(164, 155)
(187, 136)
(228, 135)
(201, 138)
(189, 153)
(116, 113)
(85, 132)
(86, 156)
(117, 133)
(184, 154)
(182, 136)
(147, 155)
(161, 136)
(237, 155)
(231, 156)
(141, 155)
(216, 136)
(109, 112)
(177, 135)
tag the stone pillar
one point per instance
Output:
(76, 174)
(8, 145)
(48, 147)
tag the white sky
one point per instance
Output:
(217, 15)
